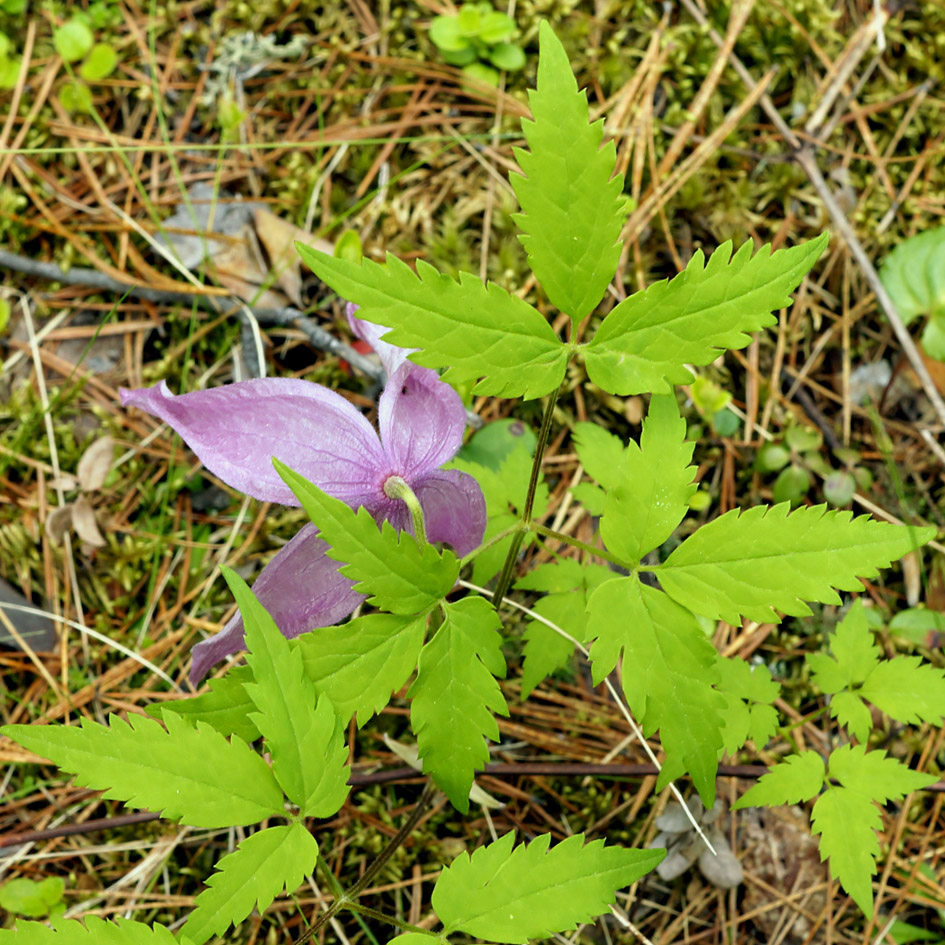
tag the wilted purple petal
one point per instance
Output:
(391, 356)
(454, 509)
(302, 590)
(236, 430)
(422, 420)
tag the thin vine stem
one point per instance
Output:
(494, 540)
(346, 900)
(505, 578)
(577, 543)
(389, 919)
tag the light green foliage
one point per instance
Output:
(305, 739)
(189, 774)
(748, 692)
(505, 491)
(251, 877)
(26, 897)
(415, 938)
(668, 670)
(10, 66)
(360, 663)
(91, 931)
(565, 605)
(73, 39)
(455, 694)
(478, 32)
(746, 564)
(914, 276)
(473, 330)
(226, 707)
(396, 572)
(495, 441)
(904, 687)
(100, 63)
(646, 341)
(501, 894)
(570, 198)
(653, 484)
(845, 816)
(797, 778)
(600, 452)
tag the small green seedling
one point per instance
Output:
(75, 42)
(477, 38)
(33, 899)
(10, 63)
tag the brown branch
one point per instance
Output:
(497, 769)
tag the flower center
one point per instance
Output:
(396, 487)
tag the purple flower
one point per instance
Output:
(237, 429)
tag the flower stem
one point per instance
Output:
(505, 578)
(396, 488)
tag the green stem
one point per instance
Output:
(346, 900)
(494, 540)
(505, 578)
(396, 488)
(389, 919)
(583, 545)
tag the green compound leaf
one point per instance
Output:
(396, 572)
(907, 689)
(749, 563)
(251, 877)
(359, 664)
(306, 740)
(847, 823)
(668, 670)
(600, 452)
(90, 931)
(855, 655)
(189, 774)
(226, 707)
(568, 584)
(455, 695)
(654, 484)
(846, 817)
(570, 198)
(798, 778)
(748, 692)
(473, 330)
(501, 894)
(646, 341)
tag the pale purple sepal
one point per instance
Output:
(391, 355)
(421, 419)
(302, 590)
(454, 509)
(236, 430)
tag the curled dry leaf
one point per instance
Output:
(95, 464)
(83, 521)
(58, 522)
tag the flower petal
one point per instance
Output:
(454, 509)
(422, 420)
(391, 355)
(302, 590)
(236, 430)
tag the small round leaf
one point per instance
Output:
(792, 485)
(507, 56)
(73, 40)
(100, 64)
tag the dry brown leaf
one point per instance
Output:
(239, 267)
(278, 238)
(58, 522)
(95, 464)
(83, 521)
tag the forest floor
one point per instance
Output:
(285, 119)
